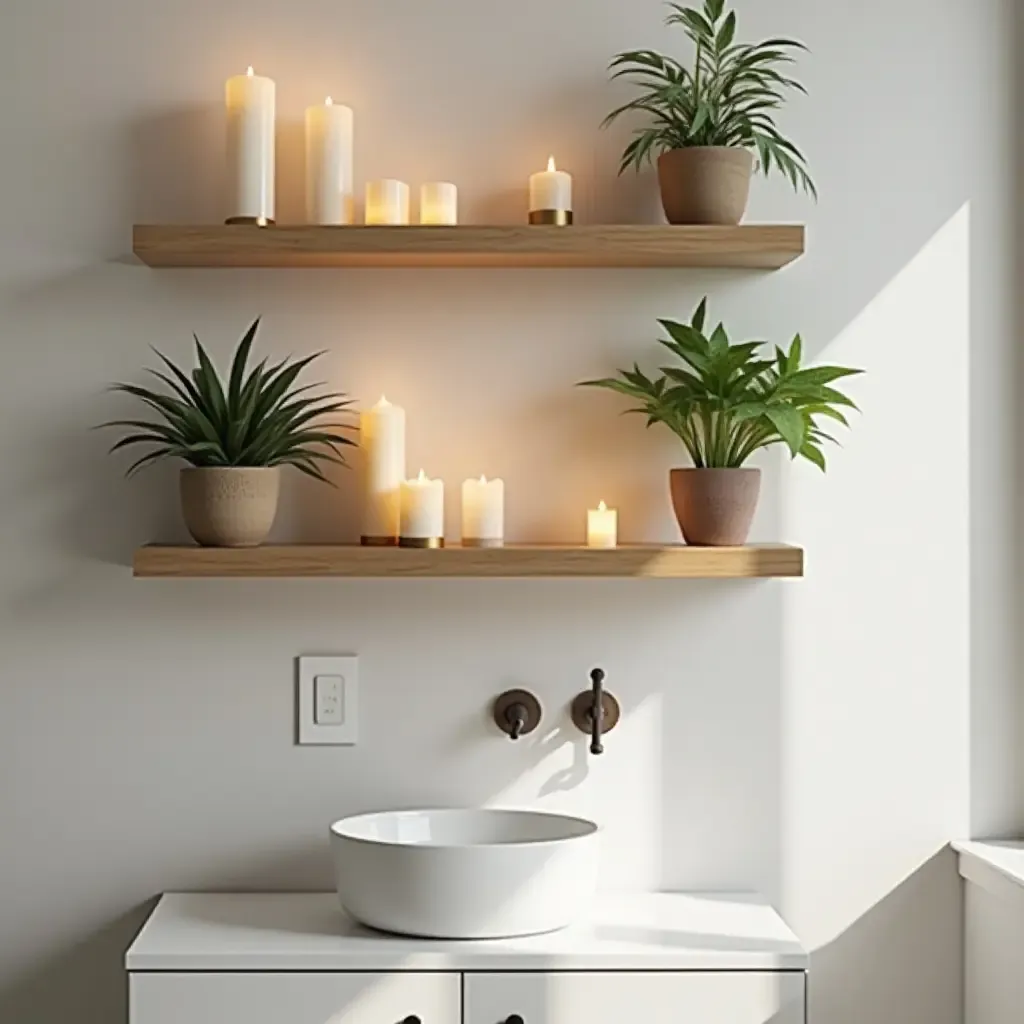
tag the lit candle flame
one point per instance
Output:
(383, 403)
(551, 160)
(249, 72)
(602, 507)
(422, 478)
(483, 479)
(328, 102)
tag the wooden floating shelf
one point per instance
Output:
(750, 246)
(519, 561)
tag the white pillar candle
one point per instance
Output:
(551, 190)
(483, 513)
(602, 527)
(387, 202)
(329, 187)
(439, 203)
(382, 438)
(422, 521)
(250, 100)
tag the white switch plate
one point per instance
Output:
(329, 701)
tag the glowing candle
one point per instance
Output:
(422, 520)
(602, 527)
(483, 513)
(382, 438)
(250, 102)
(439, 203)
(551, 196)
(329, 188)
(387, 202)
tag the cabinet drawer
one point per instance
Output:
(611, 997)
(293, 998)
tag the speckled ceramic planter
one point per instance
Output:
(715, 507)
(230, 508)
(705, 184)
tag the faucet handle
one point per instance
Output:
(595, 711)
(517, 713)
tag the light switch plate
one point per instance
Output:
(329, 701)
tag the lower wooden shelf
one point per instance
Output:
(515, 561)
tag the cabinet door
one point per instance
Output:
(612, 997)
(294, 998)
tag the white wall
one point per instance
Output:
(811, 739)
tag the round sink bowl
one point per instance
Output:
(465, 874)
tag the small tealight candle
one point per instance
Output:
(551, 196)
(422, 513)
(439, 203)
(250, 101)
(387, 202)
(329, 195)
(483, 513)
(602, 527)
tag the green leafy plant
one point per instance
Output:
(725, 403)
(255, 418)
(729, 97)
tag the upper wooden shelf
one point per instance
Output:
(517, 561)
(751, 246)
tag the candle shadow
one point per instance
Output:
(291, 171)
(177, 166)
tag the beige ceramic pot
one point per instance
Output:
(229, 507)
(715, 507)
(705, 184)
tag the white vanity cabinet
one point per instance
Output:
(660, 958)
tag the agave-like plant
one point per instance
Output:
(725, 403)
(727, 98)
(255, 418)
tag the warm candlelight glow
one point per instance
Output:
(602, 507)
(328, 102)
(483, 479)
(602, 527)
(383, 403)
(249, 71)
(551, 163)
(261, 222)
(422, 478)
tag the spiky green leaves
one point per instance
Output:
(261, 418)
(729, 97)
(725, 401)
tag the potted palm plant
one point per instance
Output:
(725, 402)
(235, 436)
(708, 121)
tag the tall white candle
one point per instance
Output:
(329, 175)
(483, 513)
(422, 522)
(387, 202)
(551, 190)
(602, 527)
(250, 102)
(439, 203)
(382, 438)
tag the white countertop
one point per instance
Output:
(309, 932)
(996, 865)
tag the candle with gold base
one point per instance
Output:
(422, 513)
(250, 101)
(551, 197)
(382, 439)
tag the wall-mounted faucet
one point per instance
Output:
(517, 713)
(596, 711)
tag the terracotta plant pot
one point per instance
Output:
(706, 184)
(715, 507)
(228, 507)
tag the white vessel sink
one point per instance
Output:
(465, 874)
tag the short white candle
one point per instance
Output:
(329, 188)
(387, 202)
(422, 508)
(550, 189)
(439, 203)
(382, 438)
(483, 513)
(250, 102)
(602, 527)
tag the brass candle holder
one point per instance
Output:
(423, 543)
(555, 218)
